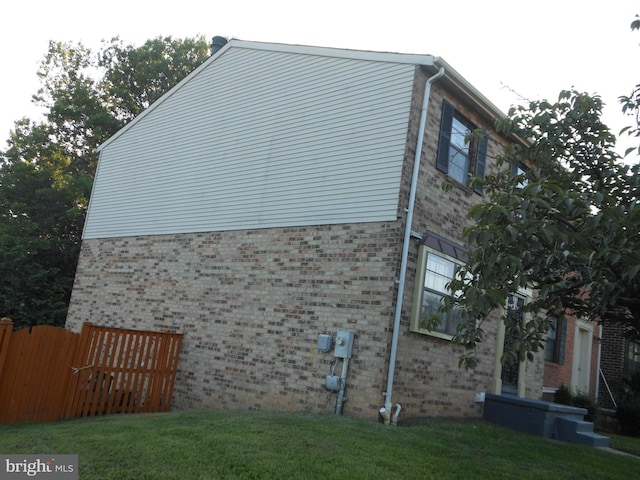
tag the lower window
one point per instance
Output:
(435, 271)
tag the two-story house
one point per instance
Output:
(283, 207)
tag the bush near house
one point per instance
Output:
(628, 411)
(565, 396)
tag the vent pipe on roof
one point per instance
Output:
(217, 43)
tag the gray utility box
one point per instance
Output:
(344, 344)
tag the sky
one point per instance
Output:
(507, 49)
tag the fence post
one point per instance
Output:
(6, 327)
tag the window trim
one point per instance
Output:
(477, 146)
(424, 250)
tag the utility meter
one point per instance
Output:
(344, 344)
(324, 342)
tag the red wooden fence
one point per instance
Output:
(118, 370)
(48, 373)
(33, 377)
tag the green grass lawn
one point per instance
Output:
(626, 444)
(263, 445)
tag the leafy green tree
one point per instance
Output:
(568, 226)
(46, 174)
(631, 104)
(562, 219)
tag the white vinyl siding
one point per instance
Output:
(259, 139)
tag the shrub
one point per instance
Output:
(583, 400)
(628, 414)
(565, 396)
(628, 411)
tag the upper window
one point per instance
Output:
(556, 336)
(518, 170)
(435, 271)
(458, 157)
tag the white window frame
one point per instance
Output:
(419, 288)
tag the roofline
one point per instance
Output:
(375, 56)
(431, 63)
(461, 85)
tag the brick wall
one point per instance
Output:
(251, 305)
(612, 363)
(428, 381)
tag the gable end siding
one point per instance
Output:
(260, 139)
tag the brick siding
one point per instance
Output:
(612, 362)
(251, 305)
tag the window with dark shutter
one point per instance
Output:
(442, 163)
(481, 158)
(454, 153)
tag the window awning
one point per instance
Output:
(441, 244)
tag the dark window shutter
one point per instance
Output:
(514, 168)
(442, 162)
(561, 336)
(481, 158)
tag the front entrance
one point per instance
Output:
(581, 371)
(510, 374)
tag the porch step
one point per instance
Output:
(579, 431)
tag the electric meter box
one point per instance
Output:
(344, 344)
(324, 342)
(333, 382)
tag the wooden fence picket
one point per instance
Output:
(6, 327)
(48, 373)
(35, 375)
(123, 371)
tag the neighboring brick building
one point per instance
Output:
(261, 205)
(620, 359)
(571, 358)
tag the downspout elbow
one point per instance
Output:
(394, 418)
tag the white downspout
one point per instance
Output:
(386, 410)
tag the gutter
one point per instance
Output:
(386, 410)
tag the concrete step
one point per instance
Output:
(579, 431)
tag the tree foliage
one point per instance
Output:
(631, 103)
(561, 221)
(46, 174)
(567, 226)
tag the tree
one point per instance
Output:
(47, 172)
(568, 226)
(562, 218)
(631, 104)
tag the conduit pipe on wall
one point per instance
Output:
(343, 382)
(386, 410)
